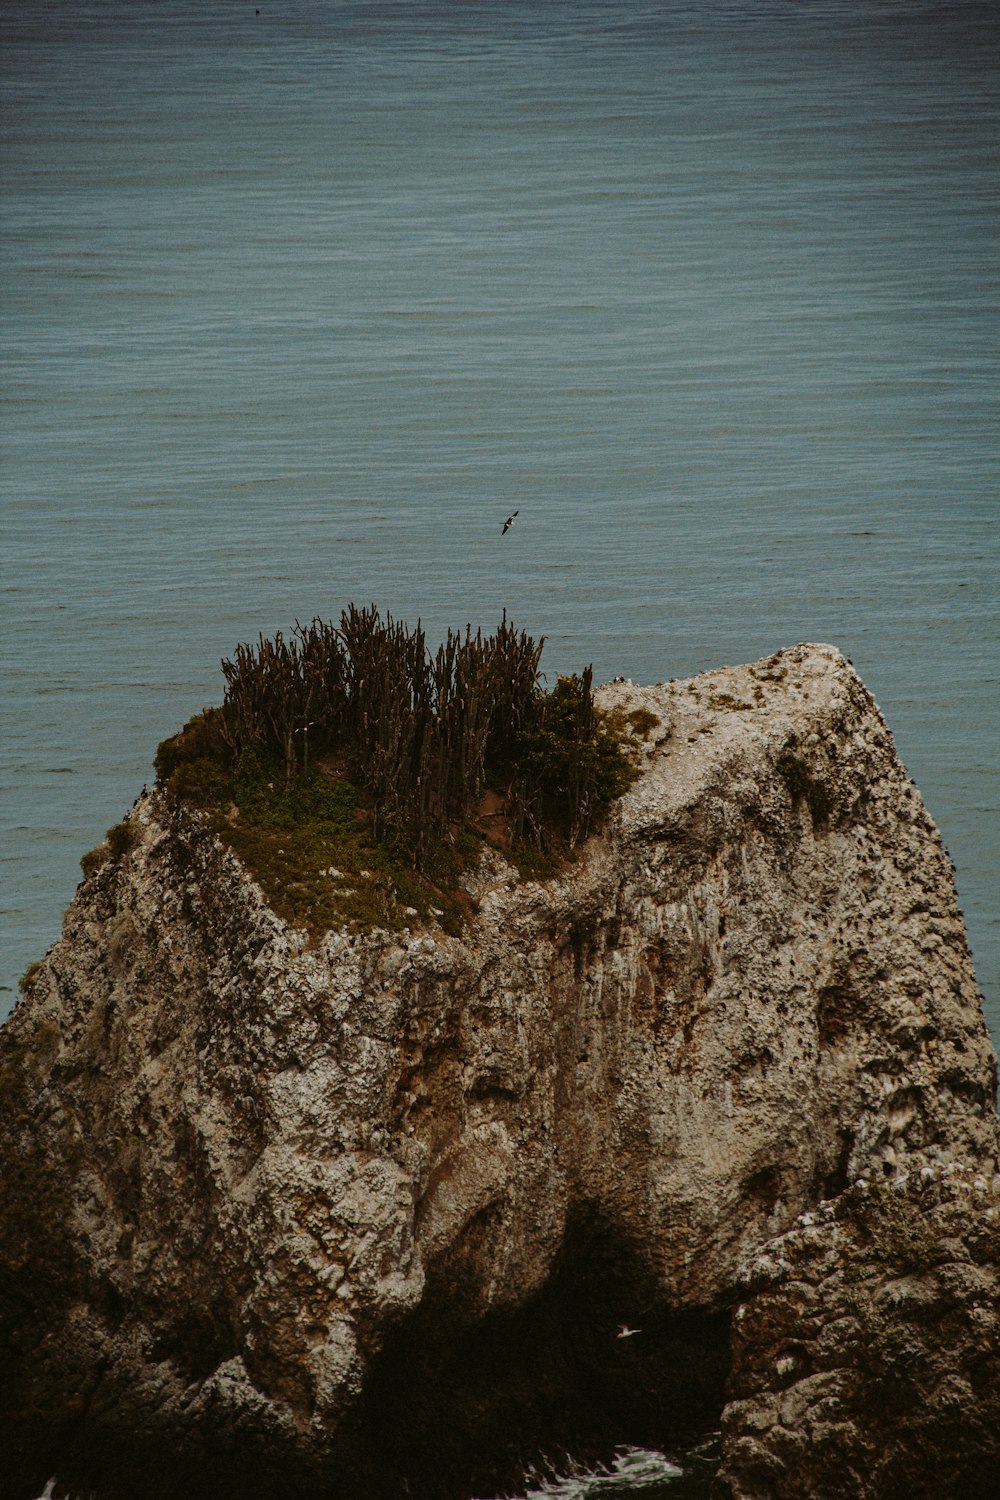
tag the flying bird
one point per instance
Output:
(508, 524)
(625, 1332)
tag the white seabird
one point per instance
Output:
(625, 1332)
(508, 523)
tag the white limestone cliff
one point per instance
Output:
(259, 1191)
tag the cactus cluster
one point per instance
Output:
(420, 733)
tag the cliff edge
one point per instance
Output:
(369, 1212)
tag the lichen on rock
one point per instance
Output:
(280, 1209)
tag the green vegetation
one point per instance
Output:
(642, 722)
(117, 843)
(29, 976)
(310, 846)
(121, 839)
(93, 860)
(567, 767)
(357, 776)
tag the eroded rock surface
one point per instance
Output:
(371, 1211)
(867, 1351)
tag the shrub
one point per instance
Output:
(203, 738)
(92, 861)
(29, 976)
(569, 766)
(121, 838)
(362, 750)
(642, 722)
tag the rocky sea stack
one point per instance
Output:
(359, 1214)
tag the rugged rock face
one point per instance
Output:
(369, 1212)
(867, 1349)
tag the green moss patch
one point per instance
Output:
(308, 843)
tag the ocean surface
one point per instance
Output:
(300, 300)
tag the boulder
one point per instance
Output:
(368, 1212)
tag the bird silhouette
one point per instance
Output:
(508, 523)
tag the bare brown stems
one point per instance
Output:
(422, 735)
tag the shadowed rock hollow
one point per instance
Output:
(367, 1213)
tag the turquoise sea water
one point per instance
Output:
(299, 304)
